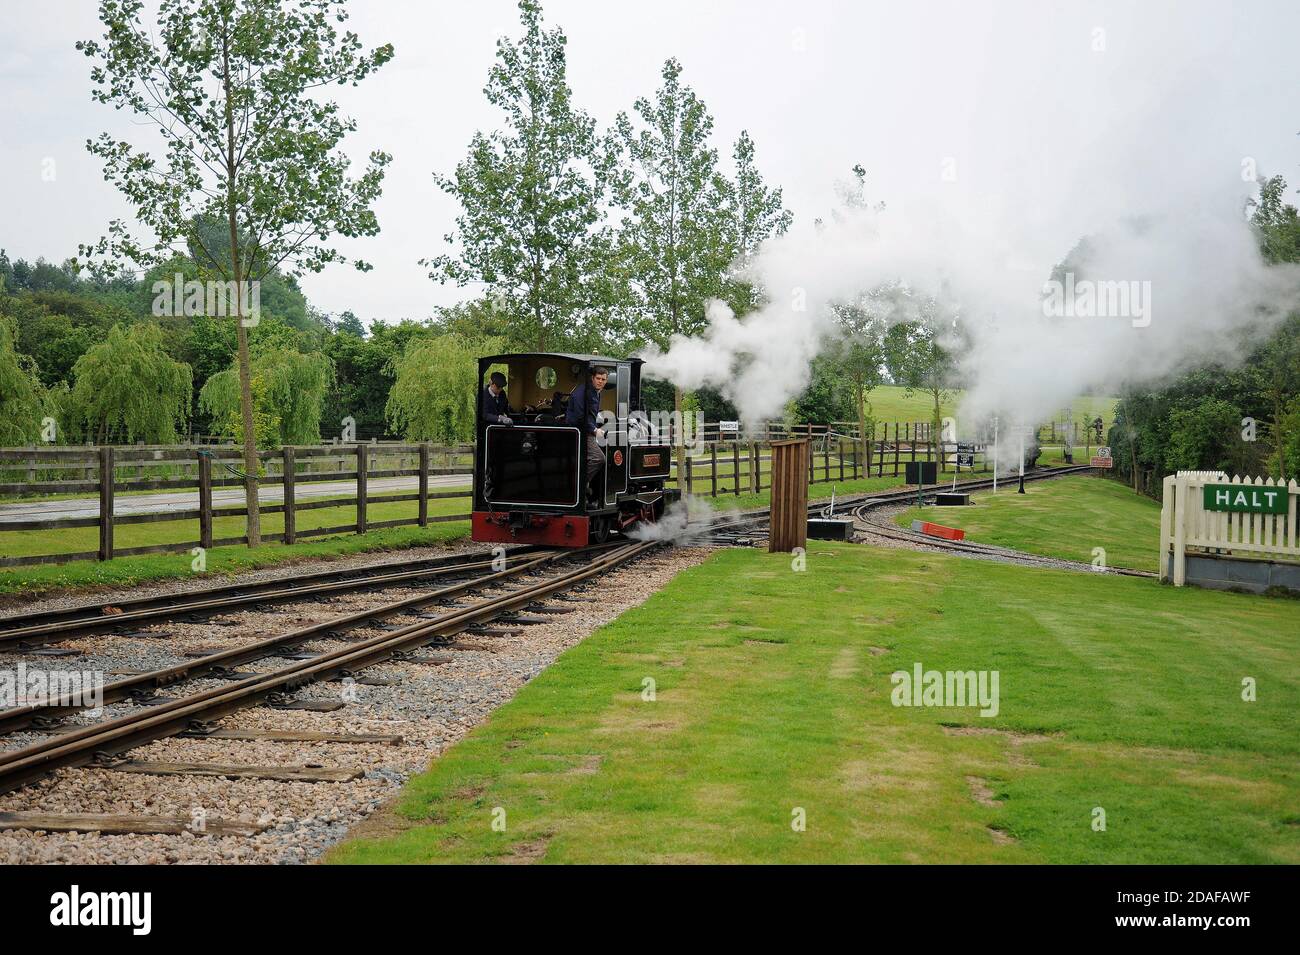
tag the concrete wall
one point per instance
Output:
(1236, 573)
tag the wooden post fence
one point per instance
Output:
(424, 485)
(106, 503)
(205, 501)
(363, 482)
(290, 497)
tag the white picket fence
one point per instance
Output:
(1186, 524)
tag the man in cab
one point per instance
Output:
(496, 403)
(582, 412)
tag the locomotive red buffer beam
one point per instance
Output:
(554, 530)
(938, 530)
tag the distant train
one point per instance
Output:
(530, 483)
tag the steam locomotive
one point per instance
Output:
(530, 482)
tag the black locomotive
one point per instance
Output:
(530, 481)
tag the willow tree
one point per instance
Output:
(436, 388)
(21, 404)
(234, 89)
(128, 388)
(289, 389)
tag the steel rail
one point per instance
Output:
(238, 588)
(213, 601)
(48, 713)
(886, 497)
(894, 532)
(106, 740)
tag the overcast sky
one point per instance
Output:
(1047, 117)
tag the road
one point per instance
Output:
(221, 497)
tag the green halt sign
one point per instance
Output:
(1245, 498)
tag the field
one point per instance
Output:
(233, 559)
(1066, 517)
(891, 403)
(1121, 734)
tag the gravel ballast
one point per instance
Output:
(430, 706)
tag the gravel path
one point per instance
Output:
(431, 707)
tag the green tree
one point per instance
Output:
(289, 389)
(57, 328)
(674, 236)
(128, 388)
(349, 324)
(234, 89)
(860, 351)
(859, 355)
(209, 347)
(362, 379)
(919, 358)
(1206, 436)
(823, 400)
(1278, 226)
(436, 388)
(21, 398)
(754, 214)
(531, 195)
(1290, 450)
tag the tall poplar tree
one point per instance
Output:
(531, 194)
(674, 239)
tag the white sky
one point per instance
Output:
(1049, 136)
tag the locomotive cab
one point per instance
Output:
(530, 480)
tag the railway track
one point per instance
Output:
(867, 522)
(434, 613)
(28, 631)
(144, 687)
(863, 508)
(102, 744)
(748, 526)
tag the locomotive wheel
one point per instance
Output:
(599, 530)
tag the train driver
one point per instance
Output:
(496, 403)
(584, 406)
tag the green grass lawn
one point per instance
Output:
(891, 403)
(79, 539)
(127, 571)
(773, 696)
(1066, 517)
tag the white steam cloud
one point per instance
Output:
(1199, 290)
(1160, 198)
(685, 523)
